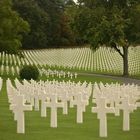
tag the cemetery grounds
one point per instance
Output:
(38, 128)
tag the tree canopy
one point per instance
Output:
(37, 19)
(11, 28)
(48, 22)
(110, 23)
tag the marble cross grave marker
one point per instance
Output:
(127, 109)
(54, 104)
(44, 98)
(81, 104)
(19, 107)
(64, 98)
(102, 111)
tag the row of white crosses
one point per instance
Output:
(82, 58)
(18, 106)
(108, 99)
(104, 60)
(56, 73)
(52, 94)
(64, 91)
(11, 63)
(12, 60)
(113, 98)
(9, 70)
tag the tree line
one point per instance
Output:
(35, 24)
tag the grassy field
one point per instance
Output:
(38, 128)
(83, 78)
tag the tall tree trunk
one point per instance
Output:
(125, 61)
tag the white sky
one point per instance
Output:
(75, 0)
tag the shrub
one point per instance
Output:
(29, 72)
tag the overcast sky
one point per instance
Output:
(75, 0)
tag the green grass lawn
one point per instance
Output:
(82, 78)
(37, 128)
(137, 76)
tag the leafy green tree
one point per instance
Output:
(11, 28)
(48, 22)
(110, 23)
(38, 20)
(58, 30)
(71, 11)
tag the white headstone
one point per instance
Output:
(54, 104)
(64, 98)
(102, 111)
(68, 74)
(81, 104)
(75, 75)
(43, 97)
(127, 109)
(71, 75)
(19, 107)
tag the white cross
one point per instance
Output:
(43, 97)
(71, 75)
(54, 105)
(116, 105)
(102, 111)
(12, 70)
(75, 75)
(12, 100)
(19, 107)
(127, 109)
(81, 104)
(64, 75)
(36, 99)
(68, 74)
(63, 96)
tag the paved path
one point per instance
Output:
(123, 79)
